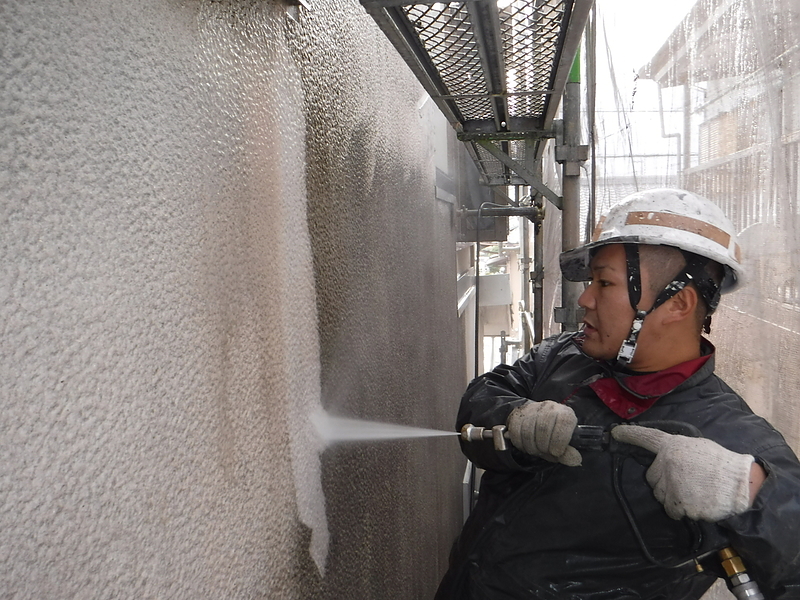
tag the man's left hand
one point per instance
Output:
(692, 477)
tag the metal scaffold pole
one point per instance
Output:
(537, 274)
(525, 264)
(538, 284)
(571, 154)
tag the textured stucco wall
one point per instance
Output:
(159, 289)
(384, 257)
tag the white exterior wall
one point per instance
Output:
(157, 303)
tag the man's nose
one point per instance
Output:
(586, 299)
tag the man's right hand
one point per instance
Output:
(544, 429)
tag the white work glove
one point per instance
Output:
(544, 429)
(692, 477)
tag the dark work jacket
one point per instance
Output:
(546, 531)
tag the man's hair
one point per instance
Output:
(663, 263)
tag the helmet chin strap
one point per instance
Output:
(693, 272)
(628, 347)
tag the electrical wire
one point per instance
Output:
(591, 109)
(625, 126)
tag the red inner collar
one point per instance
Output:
(651, 385)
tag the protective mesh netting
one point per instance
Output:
(717, 111)
(729, 84)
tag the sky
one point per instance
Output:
(636, 29)
(629, 33)
(633, 31)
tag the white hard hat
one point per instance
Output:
(667, 217)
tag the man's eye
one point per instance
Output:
(603, 282)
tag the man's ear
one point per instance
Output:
(682, 305)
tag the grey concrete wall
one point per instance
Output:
(213, 221)
(384, 258)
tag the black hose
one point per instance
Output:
(626, 509)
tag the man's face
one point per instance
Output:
(609, 315)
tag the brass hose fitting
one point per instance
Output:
(742, 586)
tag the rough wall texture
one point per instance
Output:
(386, 289)
(160, 349)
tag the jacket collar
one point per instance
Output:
(628, 393)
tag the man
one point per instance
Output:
(645, 519)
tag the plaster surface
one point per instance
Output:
(158, 305)
(215, 219)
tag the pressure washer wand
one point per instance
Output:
(585, 437)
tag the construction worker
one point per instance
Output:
(646, 520)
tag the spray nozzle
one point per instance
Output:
(498, 433)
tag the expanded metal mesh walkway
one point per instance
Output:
(496, 69)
